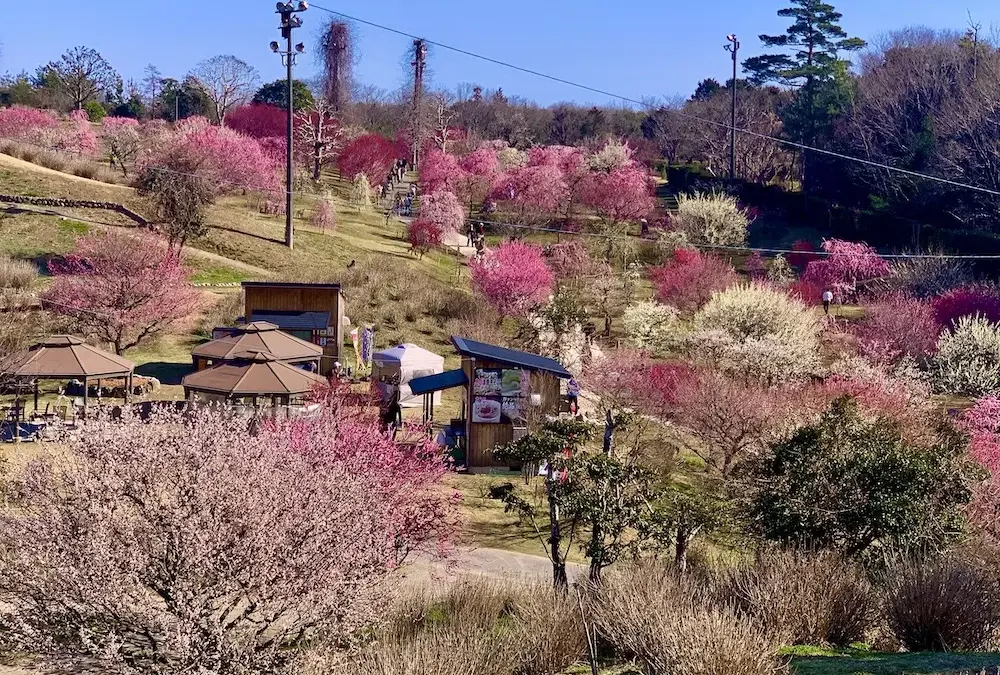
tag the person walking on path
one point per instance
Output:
(470, 234)
(827, 299)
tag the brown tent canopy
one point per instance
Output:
(66, 357)
(260, 336)
(253, 374)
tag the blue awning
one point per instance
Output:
(431, 383)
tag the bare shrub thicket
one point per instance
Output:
(478, 627)
(223, 312)
(670, 625)
(17, 274)
(942, 605)
(803, 598)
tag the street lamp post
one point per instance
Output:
(289, 22)
(734, 47)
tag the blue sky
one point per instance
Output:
(637, 49)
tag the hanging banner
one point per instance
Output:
(356, 341)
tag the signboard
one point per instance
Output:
(499, 394)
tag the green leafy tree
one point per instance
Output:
(706, 89)
(682, 511)
(810, 60)
(276, 94)
(179, 100)
(851, 483)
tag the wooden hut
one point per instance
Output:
(311, 312)
(501, 386)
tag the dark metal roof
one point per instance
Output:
(287, 284)
(292, 320)
(438, 382)
(481, 350)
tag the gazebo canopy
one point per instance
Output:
(260, 336)
(253, 373)
(65, 356)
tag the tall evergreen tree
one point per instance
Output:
(810, 60)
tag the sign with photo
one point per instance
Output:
(487, 382)
(486, 410)
(515, 383)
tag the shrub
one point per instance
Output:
(223, 313)
(324, 218)
(968, 358)
(361, 193)
(17, 274)
(51, 160)
(942, 605)
(803, 598)
(967, 301)
(95, 111)
(897, 326)
(714, 219)
(478, 626)
(423, 235)
(666, 624)
(690, 278)
(652, 327)
(755, 330)
(779, 271)
(84, 170)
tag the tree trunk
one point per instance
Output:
(559, 579)
(681, 549)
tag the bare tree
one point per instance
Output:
(444, 115)
(227, 81)
(83, 74)
(337, 55)
(320, 131)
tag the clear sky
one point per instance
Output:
(637, 49)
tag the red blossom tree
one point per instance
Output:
(897, 326)
(847, 266)
(689, 279)
(195, 542)
(423, 235)
(803, 254)
(625, 194)
(967, 301)
(513, 278)
(372, 155)
(258, 120)
(123, 289)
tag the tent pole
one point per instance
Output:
(36, 396)
(86, 395)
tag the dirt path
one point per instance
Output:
(16, 163)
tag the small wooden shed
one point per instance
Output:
(501, 385)
(311, 312)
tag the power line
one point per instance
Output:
(680, 113)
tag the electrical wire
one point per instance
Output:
(680, 113)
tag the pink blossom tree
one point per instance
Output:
(123, 140)
(440, 170)
(324, 216)
(689, 279)
(513, 278)
(21, 123)
(76, 135)
(897, 326)
(123, 289)
(982, 423)
(481, 168)
(623, 195)
(570, 260)
(878, 394)
(423, 235)
(532, 193)
(196, 543)
(442, 209)
(847, 266)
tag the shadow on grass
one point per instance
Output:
(852, 662)
(166, 373)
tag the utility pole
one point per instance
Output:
(419, 62)
(734, 47)
(289, 22)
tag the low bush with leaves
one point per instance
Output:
(968, 358)
(942, 605)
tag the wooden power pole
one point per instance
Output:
(419, 63)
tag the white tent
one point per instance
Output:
(408, 362)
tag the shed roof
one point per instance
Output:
(293, 319)
(254, 373)
(288, 284)
(259, 336)
(65, 356)
(438, 382)
(482, 350)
